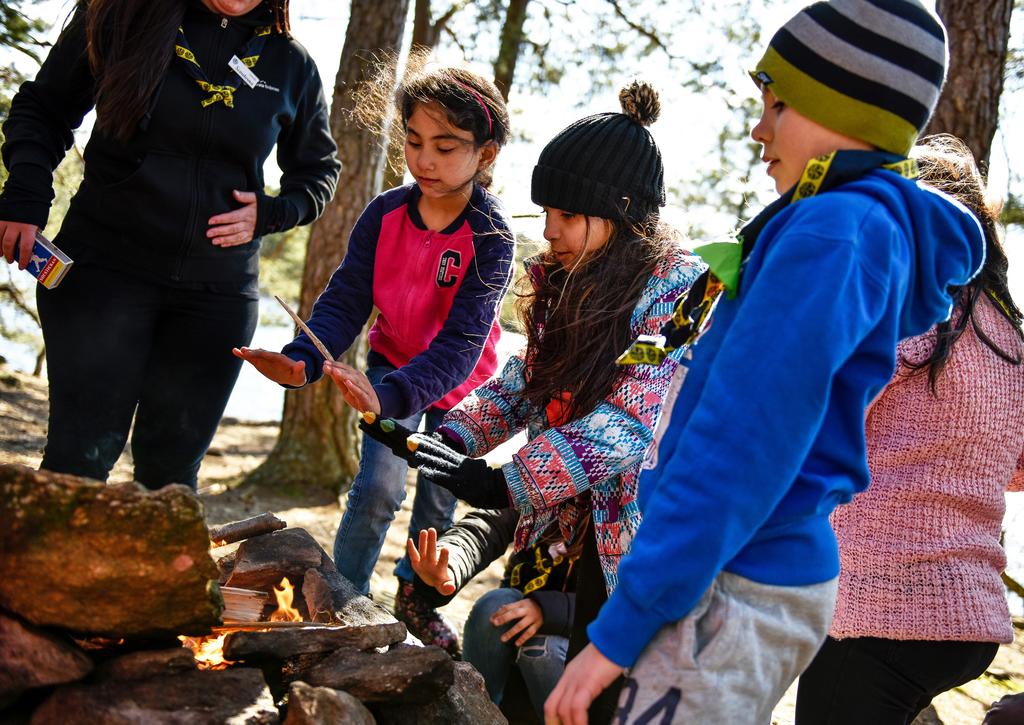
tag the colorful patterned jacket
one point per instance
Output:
(600, 452)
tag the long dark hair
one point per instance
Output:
(577, 321)
(130, 45)
(948, 165)
(469, 102)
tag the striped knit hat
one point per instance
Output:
(869, 69)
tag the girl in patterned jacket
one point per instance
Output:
(612, 273)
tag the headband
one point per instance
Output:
(480, 100)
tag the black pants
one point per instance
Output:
(118, 347)
(884, 681)
(591, 594)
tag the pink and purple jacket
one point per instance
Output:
(919, 550)
(436, 292)
(600, 452)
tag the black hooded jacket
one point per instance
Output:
(144, 205)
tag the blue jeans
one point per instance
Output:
(540, 661)
(376, 494)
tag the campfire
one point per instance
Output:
(238, 616)
(114, 606)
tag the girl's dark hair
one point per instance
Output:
(948, 165)
(130, 45)
(469, 101)
(577, 322)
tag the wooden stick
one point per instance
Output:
(245, 529)
(305, 328)
(250, 626)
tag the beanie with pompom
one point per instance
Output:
(606, 165)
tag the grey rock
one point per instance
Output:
(402, 674)
(465, 703)
(309, 705)
(236, 696)
(147, 663)
(282, 643)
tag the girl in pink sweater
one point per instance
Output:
(921, 607)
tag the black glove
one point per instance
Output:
(388, 432)
(469, 479)
(396, 436)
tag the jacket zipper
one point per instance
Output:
(192, 224)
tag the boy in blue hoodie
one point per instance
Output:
(729, 587)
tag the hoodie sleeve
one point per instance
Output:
(479, 538)
(40, 125)
(455, 350)
(308, 158)
(344, 306)
(748, 433)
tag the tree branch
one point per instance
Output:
(640, 29)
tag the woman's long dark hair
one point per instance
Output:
(131, 44)
(577, 321)
(948, 165)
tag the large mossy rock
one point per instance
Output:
(117, 561)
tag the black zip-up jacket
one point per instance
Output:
(482, 536)
(144, 205)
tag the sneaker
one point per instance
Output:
(423, 621)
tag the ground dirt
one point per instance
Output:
(240, 446)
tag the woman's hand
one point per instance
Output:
(356, 388)
(22, 236)
(279, 368)
(530, 617)
(234, 227)
(430, 565)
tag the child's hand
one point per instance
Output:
(429, 565)
(279, 368)
(356, 388)
(530, 617)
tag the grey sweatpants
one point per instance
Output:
(731, 659)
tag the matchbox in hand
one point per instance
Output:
(48, 264)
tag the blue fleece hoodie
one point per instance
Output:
(766, 437)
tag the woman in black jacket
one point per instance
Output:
(165, 228)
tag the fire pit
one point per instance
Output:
(323, 653)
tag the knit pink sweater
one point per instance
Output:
(919, 550)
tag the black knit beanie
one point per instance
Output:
(606, 165)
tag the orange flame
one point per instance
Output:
(208, 651)
(285, 612)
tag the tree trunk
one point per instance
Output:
(979, 32)
(508, 49)
(317, 446)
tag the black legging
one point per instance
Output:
(591, 594)
(884, 681)
(118, 347)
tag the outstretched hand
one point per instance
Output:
(390, 433)
(355, 387)
(431, 564)
(469, 479)
(586, 676)
(279, 368)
